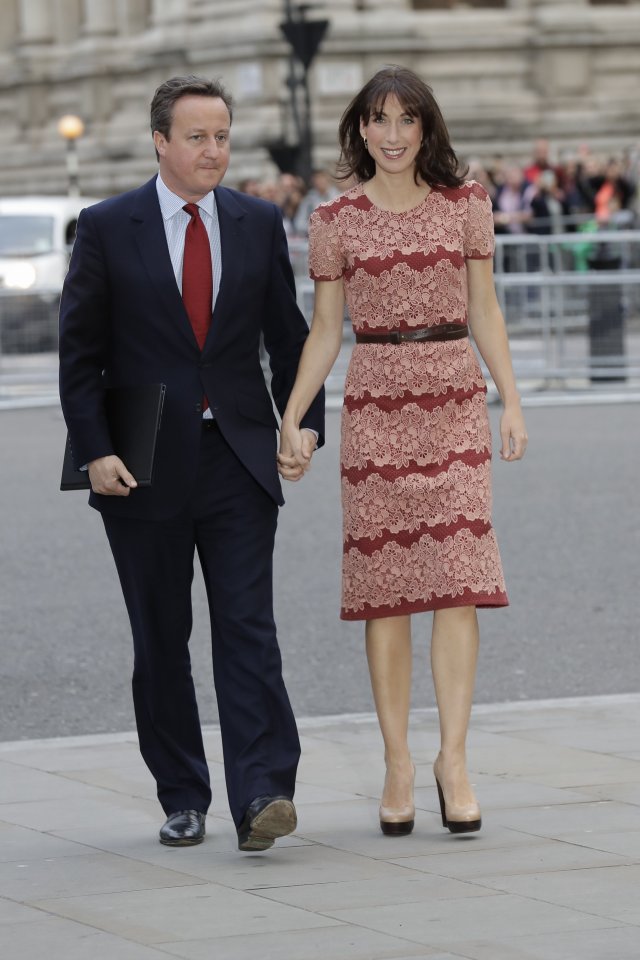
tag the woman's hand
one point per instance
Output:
(513, 433)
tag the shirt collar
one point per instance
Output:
(171, 203)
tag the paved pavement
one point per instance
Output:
(568, 529)
(553, 875)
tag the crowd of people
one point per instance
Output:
(547, 197)
(296, 200)
(541, 196)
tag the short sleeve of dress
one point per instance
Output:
(326, 261)
(479, 241)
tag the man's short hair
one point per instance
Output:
(169, 92)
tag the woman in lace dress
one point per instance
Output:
(410, 247)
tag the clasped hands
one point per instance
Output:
(296, 449)
(110, 477)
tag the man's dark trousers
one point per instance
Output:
(231, 521)
(123, 321)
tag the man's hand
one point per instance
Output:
(296, 450)
(110, 477)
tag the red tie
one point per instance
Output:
(197, 277)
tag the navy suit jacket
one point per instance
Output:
(122, 322)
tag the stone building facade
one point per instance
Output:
(504, 71)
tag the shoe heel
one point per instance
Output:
(400, 828)
(461, 825)
(441, 799)
(399, 822)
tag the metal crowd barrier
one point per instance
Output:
(571, 302)
(574, 298)
(28, 322)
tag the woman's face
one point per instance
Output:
(393, 137)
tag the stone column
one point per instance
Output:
(366, 6)
(8, 28)
(563, 10)
(562, 59)
(559, 3)
(99, 17)
(132, 16)
(168, 12)
(35, 21)
(67, 17)
(210, 10)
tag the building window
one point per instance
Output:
(452, 4)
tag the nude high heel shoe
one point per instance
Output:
(457, 819)
(398, 821)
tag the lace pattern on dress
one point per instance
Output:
(411, 435)
(416, 441)
(377, 505)
(388, 370)
(479, 242)
(351, 230)
(326, 260)
(404, 296)
(371, 233)
(425, 569)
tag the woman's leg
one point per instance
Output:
(388, 642)
(454, 655)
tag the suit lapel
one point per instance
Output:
(230, 217)
(151, 239)
(152, 243)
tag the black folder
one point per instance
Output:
(134, 415)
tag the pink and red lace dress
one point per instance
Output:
(416, 442)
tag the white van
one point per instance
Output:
(36, 237)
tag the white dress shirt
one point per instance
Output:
(176, 221)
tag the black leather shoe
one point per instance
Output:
(184, 828)
(266, 819)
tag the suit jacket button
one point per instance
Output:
(198, 408)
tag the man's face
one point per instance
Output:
(195, 158)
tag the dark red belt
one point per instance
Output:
(446, 331)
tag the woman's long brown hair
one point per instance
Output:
(436, 162)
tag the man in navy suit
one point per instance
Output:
(123, 321)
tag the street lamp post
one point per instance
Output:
(70, 129)
(304, 37)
